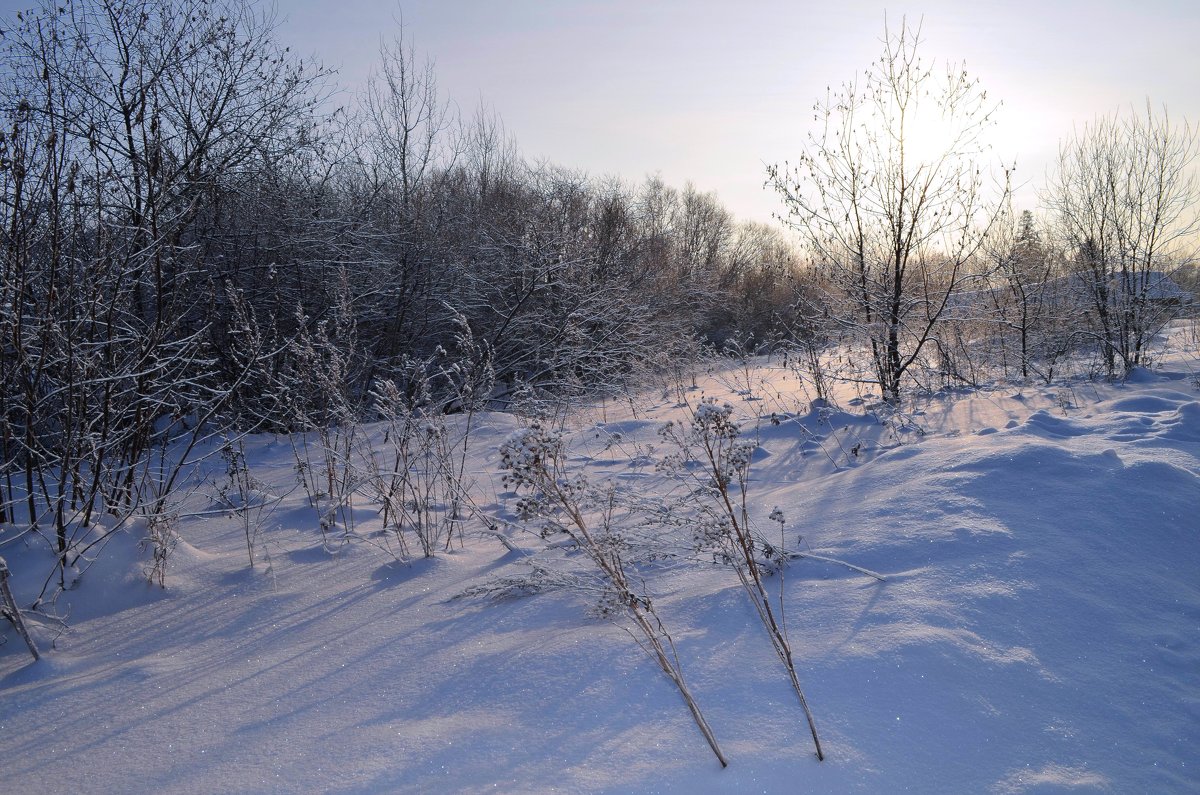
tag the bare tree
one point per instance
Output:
(889, 197)
(408, 120)
(1125, 197)
(408, 141)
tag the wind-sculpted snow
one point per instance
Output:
(1043, 423)
(1038, 628)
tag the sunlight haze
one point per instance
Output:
(709, 92)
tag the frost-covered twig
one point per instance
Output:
(860, 569)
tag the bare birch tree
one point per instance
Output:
(891, 198)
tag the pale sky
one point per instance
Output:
(708, 91)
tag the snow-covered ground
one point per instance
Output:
(1038, 629)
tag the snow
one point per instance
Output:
(1038, 629)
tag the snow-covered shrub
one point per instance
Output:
(161, 538)
(242, 493)
(741, 348)
(323, 410)
(419, 484)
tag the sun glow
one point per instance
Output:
(928, 136)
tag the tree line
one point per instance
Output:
(192, 239)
